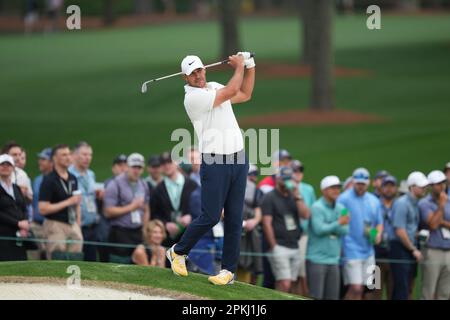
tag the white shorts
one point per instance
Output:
(358, 271)
(285, 263)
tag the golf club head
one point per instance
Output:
(144, 87)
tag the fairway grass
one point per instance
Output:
(194, 284)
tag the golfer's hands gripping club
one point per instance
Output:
(249, 61)
(236, 61)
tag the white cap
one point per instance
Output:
(252, 168)
(361, 175)
(436, 176)
(6, 158)
(190, 63)
(329, 181)
(136, 160)
(418, 179)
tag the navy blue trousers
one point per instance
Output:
(223, 187)
(402, 272)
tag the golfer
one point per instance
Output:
(224, 167)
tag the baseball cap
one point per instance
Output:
(6, 158)
(329, 181)
(418, 179)
(281, 155)
(135, 160)
(284, 173)
(297, 165)
(381, 174)
(403, 188)
(361, 175)
(252, 170)
(186, 166)
(45, 154)
(121, 158)
(165, 157)
(436, 176)
(447, 167)
(190, 63)
(347, 182)
(389, 179)
(153, 161)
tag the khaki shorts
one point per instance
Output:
(57, 232)
(302, 244)
(285, 263)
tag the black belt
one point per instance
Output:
(216, 158)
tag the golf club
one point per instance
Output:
(144, 85)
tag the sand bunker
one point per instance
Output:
(47, 291)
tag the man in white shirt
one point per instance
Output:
(224, 166)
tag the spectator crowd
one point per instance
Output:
(343, 242)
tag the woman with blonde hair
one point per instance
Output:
(152, 253)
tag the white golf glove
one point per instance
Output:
(248, 61)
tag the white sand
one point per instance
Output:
(42, 291)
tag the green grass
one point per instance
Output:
(194, 284)
(85, 85)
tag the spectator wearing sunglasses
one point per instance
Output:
(365, 230)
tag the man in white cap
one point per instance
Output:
(405, 220)
(328, 224)
(224, 166)
(365, 230)
(435, 214)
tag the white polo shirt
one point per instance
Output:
(216, 128)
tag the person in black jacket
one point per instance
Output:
(170, 200)
(13, 214)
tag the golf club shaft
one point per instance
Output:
(144, 85)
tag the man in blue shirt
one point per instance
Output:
(403, 245)
(365, 230)
(82, 157)
(45, 167)
(435, 216)
(388, 194)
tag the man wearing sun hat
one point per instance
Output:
(365, 230)
(403, 246)
(435, 215)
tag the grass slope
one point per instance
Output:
(195, 284)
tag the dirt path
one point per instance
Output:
(307, 117)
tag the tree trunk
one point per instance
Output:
(306, 17)
(143, 6)
(322, 55)
(108, 12)
(229, 12)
